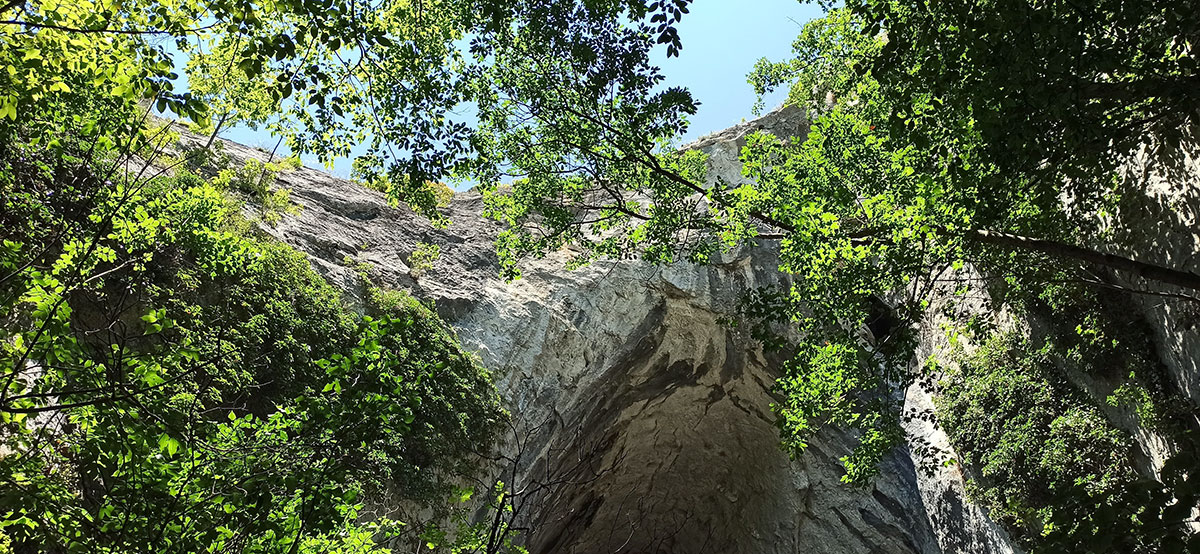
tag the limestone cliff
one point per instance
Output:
(647, 421)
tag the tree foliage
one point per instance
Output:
(1030, 437)
(1051, 458)
(918, 163)
(943, 135)
(1049, 87)
(173, 383)
(391, 75)
(922, 160)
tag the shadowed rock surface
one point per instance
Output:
(624, 368)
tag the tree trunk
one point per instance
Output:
(216, 130)
(1185, 279)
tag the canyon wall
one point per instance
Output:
(649, 421)
(645, 423)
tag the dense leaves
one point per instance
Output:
(391, 75)
(1050, 87)
(1030, 437)
(173, 384)
(922, 162)
(1054, 462)
(945, 139)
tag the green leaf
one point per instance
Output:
(168, 444)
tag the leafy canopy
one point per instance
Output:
(404, 79)
(175, 384)
(900, 182)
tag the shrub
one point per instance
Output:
(1030, 437)
(198, 389)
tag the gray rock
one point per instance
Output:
(1159, 222)
(621, 377)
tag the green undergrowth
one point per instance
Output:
(175, 381)
(253, 180)
(1043, 454)
(1027, 434)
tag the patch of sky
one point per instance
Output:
(722, 39)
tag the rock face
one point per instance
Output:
(645, 423)
(1162, 225)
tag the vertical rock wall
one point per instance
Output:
(647, 421)
(1159, 222)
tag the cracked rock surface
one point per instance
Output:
(625, 367)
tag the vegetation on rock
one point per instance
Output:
(174, 382)
(918, 162)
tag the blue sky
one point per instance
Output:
(721, 41)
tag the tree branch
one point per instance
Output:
(1184, 279)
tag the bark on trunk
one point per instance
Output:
(1185, 279)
